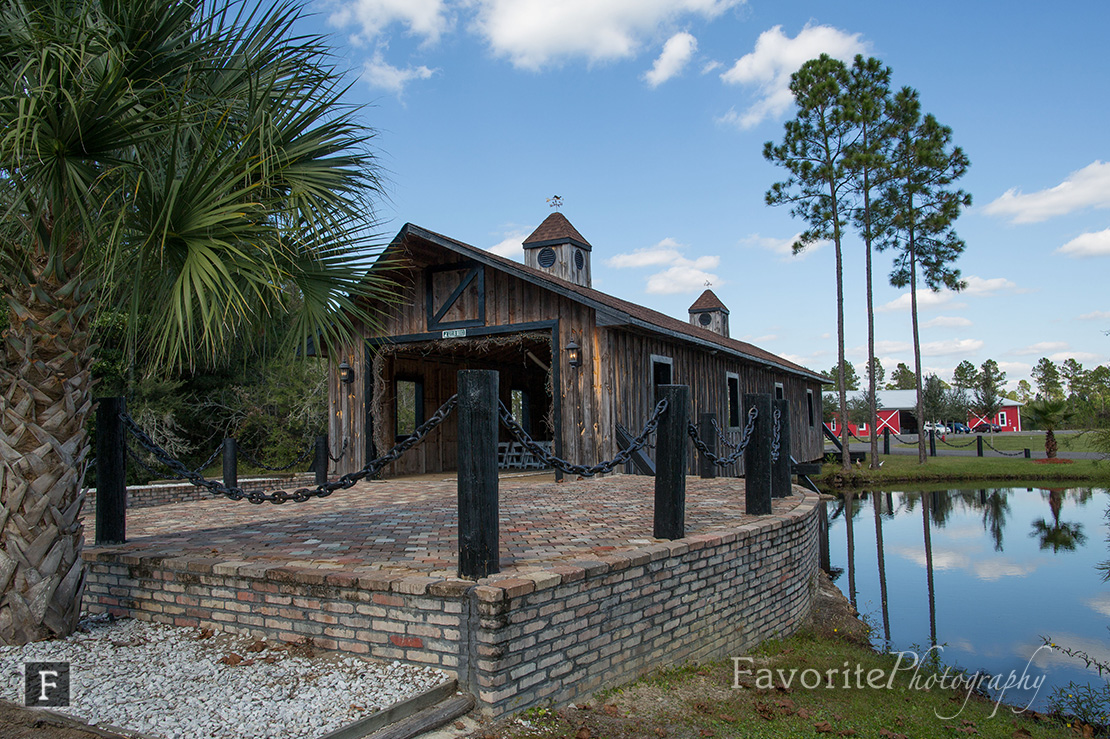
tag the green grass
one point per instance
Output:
(1068, 442)
(713, 700)
(904, 468)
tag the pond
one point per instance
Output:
(982, 572)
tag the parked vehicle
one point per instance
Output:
(939, 428)
(961, 428)
(986, 428)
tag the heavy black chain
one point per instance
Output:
(302, 494)
(160, 474)
(776, 439)
(1004, 454)
(722, 438)
(551, 460)
(254, 461)
(702, 447)
(955, 446)
(342, 452)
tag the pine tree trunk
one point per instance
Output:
(46, 388)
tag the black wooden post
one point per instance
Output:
(825, 562)
(670, 462)
(708, 432)
(231, 463)
(1028, 454)
(478, 506)
(320, 465)
(780, 468)
(886, 441)
(932, 442)
(757, 457)
(111, 472)
(979, 445)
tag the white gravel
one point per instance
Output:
(169, 682)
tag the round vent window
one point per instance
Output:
(579, 259)
(705, 319)
(547, 257)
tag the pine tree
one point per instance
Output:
(1047, 378)
(902, 378)
(919, 208)
(964, 375)
(813, 150)
(866, 105)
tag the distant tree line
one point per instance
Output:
(1084, 393)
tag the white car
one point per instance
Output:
(939, 428)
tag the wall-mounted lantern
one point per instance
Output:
(346, 373)
(574, 354)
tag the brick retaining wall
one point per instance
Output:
(148, 496)
(513, 640)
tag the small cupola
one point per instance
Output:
(558, 249)
(709, 312)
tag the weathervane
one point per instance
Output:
(708, 283)
(555, 201)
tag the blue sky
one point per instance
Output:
(648, 118)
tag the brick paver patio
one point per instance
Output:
(410, 525)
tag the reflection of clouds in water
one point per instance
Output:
(1096, 648)
(1099, 603)
(974, 533)
(943, 559)
(989, 568)
(996, 569)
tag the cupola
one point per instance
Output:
(558, 249)
(709, 312)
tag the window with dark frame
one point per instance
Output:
(410, 406)
(809, 407)
(780, 393)
(733, 400)
(662, 373)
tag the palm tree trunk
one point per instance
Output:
(1050, 445)
(46, 387)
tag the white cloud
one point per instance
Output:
(947, 322)
(511, 246)
(889, 347)
(682, 274)
(1095, 244)
(676, 54)
(949, 347)
(681, 278)
(380, 74)
(1040, 348)
(985, 287)
(711, 67)
(1077, 356)
(536, 33)
(925, 299)
(775, 58)
(1087, 188)
(1098, 315)
(427, 18)
(783, 247)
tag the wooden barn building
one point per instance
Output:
(575, 363)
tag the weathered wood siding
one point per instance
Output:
(613, 385)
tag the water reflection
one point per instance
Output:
(937, 567)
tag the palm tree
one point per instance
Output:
(1048, 414)
(189, 162)
(1057, 535)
